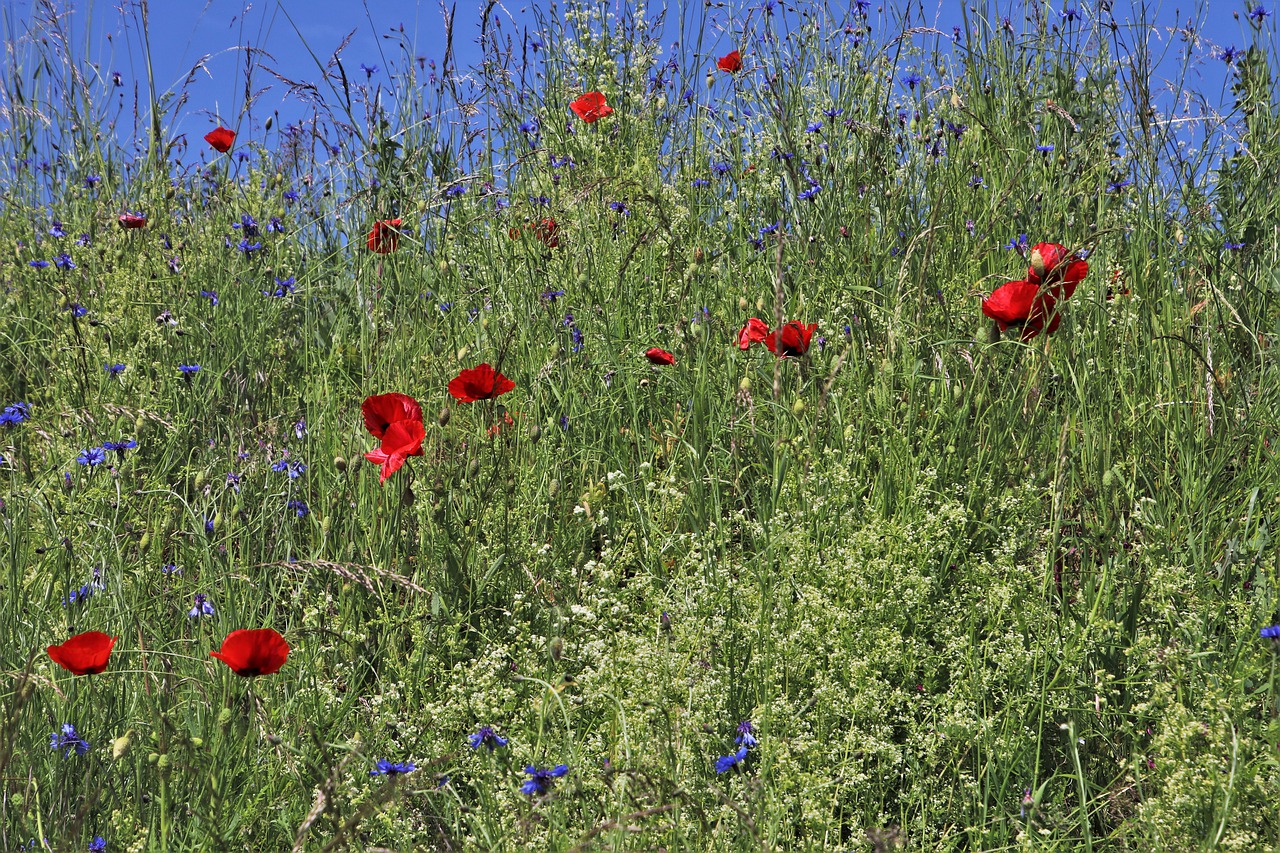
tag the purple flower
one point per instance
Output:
(293, 467)
(539, 780)
(746, 734)
(300, 507)
(1258, 14)
(55, 229)
(390, 768)
(725, 763)
(1229, 54)
(486, 736)
(92, 456)
(369, 70)
(68, 739)
(114, 370)
(211, 295)
(38, 264)
(911, 80)
(202, 607)
(189, 370)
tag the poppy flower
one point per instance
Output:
(791, 340)
(590, 107)
(1054, 267)
(385, 236)
(260, 651)
(382, 410)
(754, 332)
(1023, 305)
(731, 62)
(481, 382)
(220, 139)
(659, 356)
(133, 220)
(401, 440)
(84, 654)
(548, 232)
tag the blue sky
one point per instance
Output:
(184, 32)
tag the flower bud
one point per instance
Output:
(340, 463)
(443, 417)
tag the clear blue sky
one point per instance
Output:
(184, 31)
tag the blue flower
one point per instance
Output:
(1257, 14)
(293, 467)
(92, 456)
(233, 481)
(98, 844)
(911, 80)
(1271, 633)
(209, 526)
(455, 191)
(392, 768)
(1231, 247)
(55, 229)
(1070, 13)
(38, 264)
(275, 224)
(725, 763)
(540, 778)
(247, 247)
(720, 167)
(211, 295)
(202, 607)
(1018, 244)
(247, 224)
(369, 70)
(1044, 149)
(576, 334)
(551, 295)
(699, 182)
(171, 569)
(813, 127)
(300, 428)
(832, 112)
(15, 414)
(486, 736)
(746, 734)
(91, 180)
(1229, 54)
(114, 370)
(808, 194)
(299, 507)
(528, 127)
(189, 370)
(284, 287)
(83, 240)
(120, 446)
(620, 208)
(68, 739)
(1117, 186)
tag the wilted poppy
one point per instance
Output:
(84, 654)
(659, 356)
(260, 651)
(133, 220)
(481, 382)
(1024, 305)
(401, 440)
(1053, 267)
(790, 340)
(754, 332)
(220, 138)
(385, 236)
(382, 410)
(591, 106)
(731, 62)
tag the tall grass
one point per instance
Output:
(971, 592)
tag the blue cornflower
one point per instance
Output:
(293, 467)
(290, 196)
(813, 127)
(300, 507)
(77, 310)
(832, 112)
(68, 739)
(564, 422)
(1229, 54)
(808, 194)
(284, 287)
(1258, 13)
(98, 844)
(92, 456)
(551, 295)
(746, 734)
(539, 200)
(202, 607)
(247, 224)
(55, 229)
(90, 181)
(576, 334)
(540, 778)
(369, 70)
(300, 428)
(1231, 247)
(957, 129)
(38, 264)
(725, 763)
(1117, 186)
(769, 229)
(120, 446)
(189, 370)
(171, 569)
(455, 191)
(392, 768)
(1070, 13)
(247, 247)
(83, 240)
(1044, 149)
(275, 224)
(209, 526)
(977, 182)
(528, 127)
(233, 481)
(699, 182)
(445, 307)
(1272, 633)
(1017, 244)
(114, 370)
(15, 414)
(562, 162)
(486, 736)
(620, 208)
(212, 296)
(720, 167)
(911, 80)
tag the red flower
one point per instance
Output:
(133, 220)
(481, 382)
(220, 138)
(1025, 305)
(591, 106)
(385, 236)
(791, 340)
(256, 652)
(731, 62)
(1052, 265)
(548, 232)
(383, 410)
(754, 332)
(659, 356)
(84, 654)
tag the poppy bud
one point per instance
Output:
(699, 255)
(340, 463)
(153, 757)
(268, 123)
(138, 424)
(120, 746)
(557, 649)
(443, 417)
(444, 267)
(797, 408)
(199, 481)
(744, 385)
(535, 433)
(1037, 263)
(407, 497)
(473, 469)
(742, 303)
(760, 303)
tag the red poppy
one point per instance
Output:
(508, 420)
(401, 440)
(659, 356)
(1053, 266)
(133, 220)
(1024, 305)
(385, 236)
(84, 654)
(591, 106)
(754, 332)
(481, 382)
(731, 62)
(220, 138)
(260, 651)
(548, 232)
(383, 410)
(791, 340)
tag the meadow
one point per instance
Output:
(883, 459)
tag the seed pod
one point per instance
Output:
(443, 417)
(535, 433)
(407, 497)
(473, 469)
(340, 463)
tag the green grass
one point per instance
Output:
(973, 593)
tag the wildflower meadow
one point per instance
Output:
(710, 427)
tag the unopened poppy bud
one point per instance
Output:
(120, 746)
(443, 417)
(199, 481)
(340, 463)
(138, 424)
(760, 303)
(224, 718)
(444, 267)
(1037, 263)
(798, 407)
(744, 385)
(553, 489)
(473, 469)
(535, 433)
(407, 497)
(557, 649)
(742, 303)
(153, 757)
(197, 742)
(710, 80)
